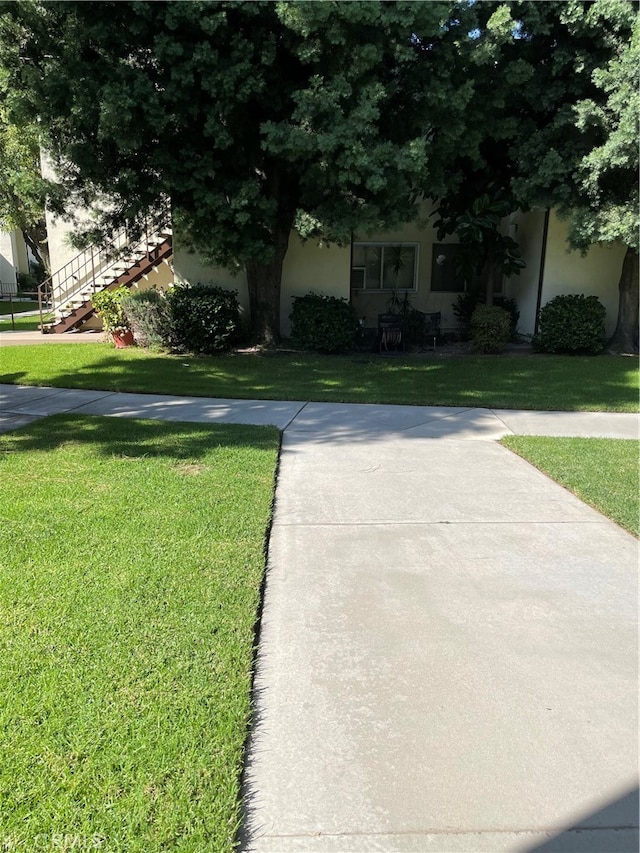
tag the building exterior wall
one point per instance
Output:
(190, 268)
(369, 304)
(58, 235)
(327, 270)
(7, 264)
(160, 278)
(307, 267)
(595, 274)
(310, 267)
(20, 252)
(565, 271)
(527, 230)
(13, 259)
(59, 230)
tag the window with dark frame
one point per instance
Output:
(445, 277)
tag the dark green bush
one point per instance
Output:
(149, 318)
(490, 329)
(466, 304)
(28, 281)
(323, 323)
(205, 318)
(572, 323)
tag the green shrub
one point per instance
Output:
(490, 329)
(323, 323)
(572, 323)
(149, 318)
(28, 282)
(466, 304)
(205, 318)
(108, 307)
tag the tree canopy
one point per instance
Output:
(554, 108)
(332, 117)
(586, 151)
(22, 188)
(252, 117)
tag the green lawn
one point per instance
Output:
(131, 559)
(590, 383)
(21, 323)
(18, 305)
(602, 472)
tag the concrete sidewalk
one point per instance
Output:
(448, 652)
(12, 338)
(318, 422)
(448, 655)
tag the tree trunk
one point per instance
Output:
(264, 279)
(625, 337)
(488, 274)
(36, 239)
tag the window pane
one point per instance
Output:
(357, 277)
(444, 273)
(399, 266)
(373, 267)
(365, 266)
(386, 266)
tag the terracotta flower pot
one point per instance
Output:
(122, 339)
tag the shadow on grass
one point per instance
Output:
(511, 382)
(13, 378)
(131, 438)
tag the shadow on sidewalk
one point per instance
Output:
(613, 829)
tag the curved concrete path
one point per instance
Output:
(448, 657)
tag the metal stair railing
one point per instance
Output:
(85, 274)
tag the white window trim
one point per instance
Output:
(382, 244)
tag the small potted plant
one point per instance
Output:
(108, 306)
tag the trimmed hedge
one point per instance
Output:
(149, 317)
(490, 329)
(323, 323)
(466, 304)
(572, 323)
(204, 318)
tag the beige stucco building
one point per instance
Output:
(143, 264)
(14, 259)
(409, 260)
(413, 260)
(554, 269)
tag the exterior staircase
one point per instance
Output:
(103, 267)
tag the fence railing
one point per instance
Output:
(12, 302)
(88, 271)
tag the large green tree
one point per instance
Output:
(552, 122)
(476, 192)
(252, 117)
(608, 208)
(581, 157)
(22, 189)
